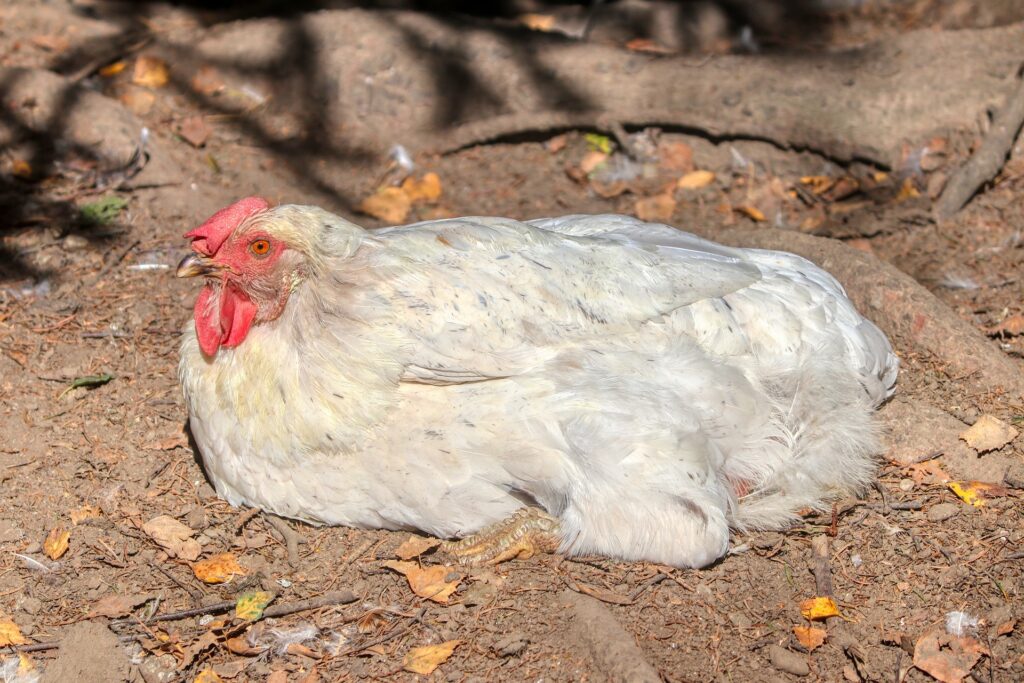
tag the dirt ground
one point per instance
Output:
(94, 443)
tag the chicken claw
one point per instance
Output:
(527, 532)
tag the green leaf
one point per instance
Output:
(89, 381)
(103, 211)
(598, 143)
(250, 606)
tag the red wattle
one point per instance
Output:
(224, 320)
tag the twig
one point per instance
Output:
(291, 537)
(907, 505)
(988, 159)
(385, 638)
(196, 594)
(821, 567)
(34, 647)
(325, 600)
(245, 518)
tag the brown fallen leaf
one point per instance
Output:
(695, 180)
(114, 606)
(1006, 627)
(240, 646)
(818, 184)
(21, 169)
(658, 208)
(389, 204)
(423, 660)
(815, 609)
(676, 157)
(83, 513)
(111, 70)
(908, 190)
(809, 636)
(988, 433)
(208, 81)
(56, 543)
(414, 546)
(945, 657)
(194, 131)
(150, 72)
(557, 143)
(172, 535)
(592, 160)
(218, 568)
(10, 634)
(1012, 326)
(751, 212)
(207, 676)
(426, 189)
(431, 582)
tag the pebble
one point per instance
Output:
(942, 512)
(74, 243)
(906, 484)
(790, 662)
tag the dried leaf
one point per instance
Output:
(1006, 627)
(818, 184)
(208, 81)
(10, 634)
(56, 543)
(947, 658)
(172, 535)
(907, 190)
(431, 582)
(150, 72)
(648, 46)
(695, 180)
(929, 471)
(976, 492)
(537, 22)
(557, 143)
(1012, 326)
(423, 660)
(218, 569)
(250, 606)
(114, 606)
(21, 169)
(414, 546)
(676, 157)
(426, 189)
(83, 513)
(371, 621)
(207, 676)
(240, 646)
(389, 204)
(658, 208)
(814, 609)
(809, 636)
(194, 131)
(988, 433)
(751, 212)
(598, 143)
(111, 70)
(592, 160)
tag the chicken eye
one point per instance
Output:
(260, 247)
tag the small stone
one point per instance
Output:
(790, 662)
(942, 512)
(511, 645)
(906, 484)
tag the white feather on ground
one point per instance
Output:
(649, 388)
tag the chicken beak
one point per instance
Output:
(194, 265)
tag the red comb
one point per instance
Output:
(207, 238)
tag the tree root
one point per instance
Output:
(913, 318)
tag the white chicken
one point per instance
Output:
(585, 384)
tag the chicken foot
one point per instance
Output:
(528, 532)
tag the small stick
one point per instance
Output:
(987, 161)
(820, 566)
(245, 518)
(290, 536)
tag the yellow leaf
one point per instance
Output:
(426, 189)
(537, 22)
(423, 660)
(83, 513)
(207, 676)
(695, 180)
(433, 583)
(56, 543)
(809, 636)
(250, 605)
(150, 72)
(10, 634)
(21, 168)
(389, 204)
(818, 183)
(975, 492)
(907, 190)
(657, 208)
(751, 212)
(988, 433)
(814, 609)
(414, 546)
(598, 142)
(218, 569)
(113, 69)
